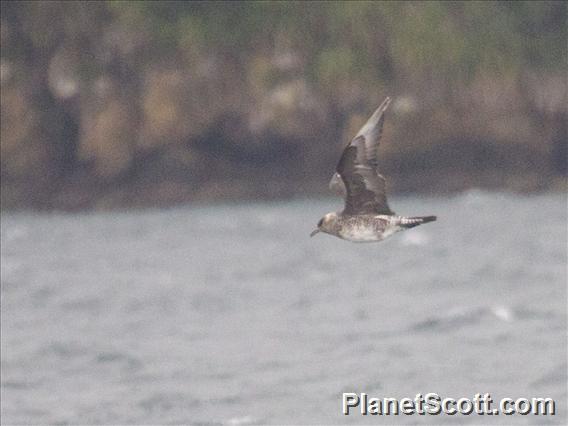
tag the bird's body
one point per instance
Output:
(368, 228)
(366, 216)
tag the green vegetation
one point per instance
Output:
(141, 94)
(451, 37)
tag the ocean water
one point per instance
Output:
(231, 314)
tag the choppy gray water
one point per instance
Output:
(233, 315)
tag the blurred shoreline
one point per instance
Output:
(131, 104)
(80, 198)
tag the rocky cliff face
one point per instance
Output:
(98, 114)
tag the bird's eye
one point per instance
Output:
(320, 223)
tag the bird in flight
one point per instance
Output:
(366, 216)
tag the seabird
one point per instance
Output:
(366, 216)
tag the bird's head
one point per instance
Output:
(326, 224)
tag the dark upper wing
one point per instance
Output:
(357, 169)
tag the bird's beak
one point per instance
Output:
(314, 232)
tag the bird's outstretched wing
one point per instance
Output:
(364, 187)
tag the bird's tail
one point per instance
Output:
(411, 222)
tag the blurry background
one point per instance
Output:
(226, 312)
(118, 104)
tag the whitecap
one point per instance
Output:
(503, 313)
(415, 238)
(236, 421)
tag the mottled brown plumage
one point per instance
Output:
(366, 216)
